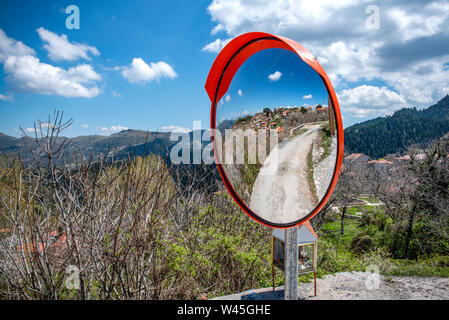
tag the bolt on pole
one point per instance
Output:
(291, 264)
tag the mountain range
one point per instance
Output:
(118, 145)
(376, 138)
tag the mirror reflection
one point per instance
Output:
(278, 133)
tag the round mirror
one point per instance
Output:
(277, 134)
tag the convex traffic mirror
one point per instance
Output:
(276, 127)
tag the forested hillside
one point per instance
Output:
(396, 133)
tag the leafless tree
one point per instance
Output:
(123, 224)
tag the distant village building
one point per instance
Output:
(379, 165)
(359, 157)
(381, 161)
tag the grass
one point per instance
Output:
(370, 199)
(363, 208)
(332, 231)
(326, 142)
(298, 132)
(437, 266)
(352, 211)
(334, 251)
(250, 172)
(311, 180)
(335, 255)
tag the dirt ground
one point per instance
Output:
(359, 286)
(285, 196)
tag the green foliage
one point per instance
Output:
(223, 251)
(362, 243)
(331, 231)
(370, 198)
(242, 120)
(310, 178)
(424, 241)
(267, 111)
(435, 266)
(332, 258)
(365, 245)
(326, 141)
(250, 174)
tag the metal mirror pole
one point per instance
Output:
(291, 264)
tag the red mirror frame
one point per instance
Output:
(228, 61)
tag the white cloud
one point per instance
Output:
(236, 115)
(112, 129)
(28, 74)
(416, 25)
(46, 125)
(32, 130)
(349, 62)
(240, 93)
(217, 29)
(407, 53)
(174, 128)
(216, 46)
(364, 101)
(84, 126)
(228, 98)
(60, 48)
(7, 97)
(307, 96)
(11, 47)
(116, 94)
(275, 76)
(140, 71)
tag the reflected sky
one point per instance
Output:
(271, 78)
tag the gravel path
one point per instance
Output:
(284, 196)
(352, 286)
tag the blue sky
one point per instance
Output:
(121, 31)
(271, 78)
(143, 64)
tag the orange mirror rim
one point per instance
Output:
(227, 63)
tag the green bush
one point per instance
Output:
(381, 221)
(362, 243)
(367, 219)
(332, 258)
(424, 241)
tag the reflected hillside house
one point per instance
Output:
(286, 112)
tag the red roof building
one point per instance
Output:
(383, 161)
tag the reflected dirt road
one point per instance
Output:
(286, 195)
